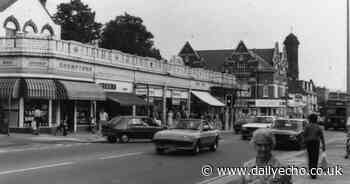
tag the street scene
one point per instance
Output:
(243, 92)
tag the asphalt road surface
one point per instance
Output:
(129, 163)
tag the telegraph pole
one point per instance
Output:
(347, 58)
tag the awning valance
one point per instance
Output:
(40, 89)
(207, 98)
(83, 91)
(9, 87)
(126, 99)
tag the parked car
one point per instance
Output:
(239, 123)
(124, 128)
(257, 122)
(289, 132)
(187, 134)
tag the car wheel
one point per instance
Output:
(112, 139)
(196, 149)
(160, 151)
(214, 147)
(124, 138)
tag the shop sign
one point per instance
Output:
(141, 91)
(175, 101)
(179, 94)
(268, 103)
(73, 67)
(7, 63)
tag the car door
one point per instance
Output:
(151, 127)
(137, 128)
(206, 134)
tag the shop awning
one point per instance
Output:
(83, 91)
(207, 98)
(9, 87)
(126, 99)
(40, 89)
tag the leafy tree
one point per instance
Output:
(128, 34)
(77, 22)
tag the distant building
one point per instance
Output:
(322, 98)
(262, 72)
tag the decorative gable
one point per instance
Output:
(241, 48)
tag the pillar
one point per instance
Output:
(133, 110)
(50, 113)
(164, 106)
(189, 103)
(75, 116)
(58, 113)
(21, 112)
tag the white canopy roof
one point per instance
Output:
(208, 98)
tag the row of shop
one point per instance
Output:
(78, 103)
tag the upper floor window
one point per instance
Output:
(30, 27)
(265, 91)
(47, 30)
(11, 26)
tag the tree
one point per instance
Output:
(128, 34)
(77, 22)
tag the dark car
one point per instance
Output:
(239, 123)
(289, 132)
(124, 128)
(188, 134)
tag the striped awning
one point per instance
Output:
(83, 91)
(126, 99)
(40, 89)
(9, 87)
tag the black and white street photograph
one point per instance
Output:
(174, 91)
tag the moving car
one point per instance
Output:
(257, 122)
(124, 128)
(289, 132)
(239, 123)
(189, 134)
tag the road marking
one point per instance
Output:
(35, 168)
(120, 156)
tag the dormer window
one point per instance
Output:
(265, 91)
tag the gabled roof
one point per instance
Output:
(187, 49)
(215, 59)
(266, 54)
(4, 4)
(241, 48)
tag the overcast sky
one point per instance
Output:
(320, 26)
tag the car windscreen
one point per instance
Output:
(188, 124)
(287, 125)
(263, 119)
(122, 123)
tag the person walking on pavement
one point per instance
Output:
(103, 119)
(313, 134)
(37, 120)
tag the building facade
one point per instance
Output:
(262, 74)
(70, 81)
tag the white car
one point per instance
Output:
(257, 122)
(189, 134)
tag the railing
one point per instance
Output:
(95, 55)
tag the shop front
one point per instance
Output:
(270, 107)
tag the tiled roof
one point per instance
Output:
(266, 54)
(4, 4)
(216, 58)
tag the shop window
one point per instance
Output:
(265, 91)
(83, 113)
(29, 108)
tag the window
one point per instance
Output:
(265, 91)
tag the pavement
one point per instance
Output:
(335, 156)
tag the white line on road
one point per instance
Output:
(120, 156)
(35, 168)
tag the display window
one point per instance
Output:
(29, 108)
(11, 113)
(83, 113)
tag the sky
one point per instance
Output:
(320, 26)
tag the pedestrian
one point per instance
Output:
(37, 120)
(313, 134)
(103, 118)
(263, 142)
(170, 118)
(347, 143)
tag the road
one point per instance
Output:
(120, 163)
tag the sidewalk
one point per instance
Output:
(19, 140)
(335, 155)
